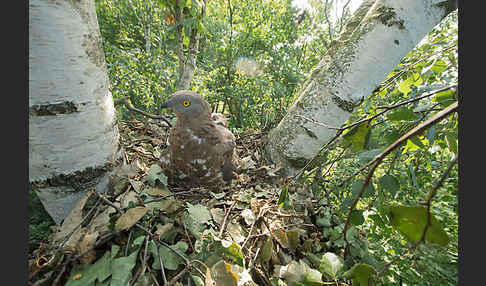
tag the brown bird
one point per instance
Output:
(201, 148)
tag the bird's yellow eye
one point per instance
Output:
(186, 103)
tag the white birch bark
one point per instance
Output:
(378, 36)
(73, 132)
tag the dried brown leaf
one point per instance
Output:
(72, 220)
(86, 243)
(131, 217)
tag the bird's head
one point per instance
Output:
(188, 105)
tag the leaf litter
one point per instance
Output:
(247, 234)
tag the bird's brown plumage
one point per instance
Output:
(201, 148)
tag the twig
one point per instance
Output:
(318, 122)
(433, 192)
(335, 160)
(301, 171)
(128, 242)
(63, 269)
(144, 261)
(251, 230)
(223, 225)
(188, 237)
(77, 226)
(154, 238)
(178, 276)
(164, 197)
(161, 266)
(123, 101)
(154, 278)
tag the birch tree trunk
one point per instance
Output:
(379, 34)
(187, 62)
(73, 132)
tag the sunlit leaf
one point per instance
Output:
(451, 140)
(357, 136)
(361, 274)
(402, 113)
(411, 222)
(331, 264)
(299, 273)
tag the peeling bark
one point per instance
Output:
(379, 34)
(73, 130)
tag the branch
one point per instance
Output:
(124, 101)
(379, 158)
(340, 130)
(428, 204)
(417, 129)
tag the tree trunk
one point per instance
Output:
(73, 131)
(187, 63)
(377, 37)
(190, 62)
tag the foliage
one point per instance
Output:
(39, 221)
(404, 181)
(252, 57)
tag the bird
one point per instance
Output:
(201, 149)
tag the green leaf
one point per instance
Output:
(357, 217)
(232, 250)
(410, 147)
(356, 188)
(416, 140)
(114, 250)
(103, 267)
(431, 135)
(352, 234)
(284, 198)
(362, 274)
(170, 260)
(266, 250)
(445, 98)
(411, 222)
(451, 140)
(299, 273)
(156, 173)
(330, 265)
(121, 269)
(438, 66)
(413, 176)
(402, 113)
(368, 155)
(405, 86)
(82, 275)
(389, 183)
(378, 220)
(195, 219)
(222, 274)
(357, 136)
